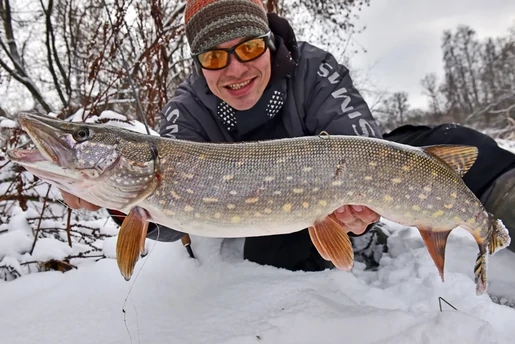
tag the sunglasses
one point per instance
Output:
(249, 50)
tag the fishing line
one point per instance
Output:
(132, 286)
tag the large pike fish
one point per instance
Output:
(262, 188)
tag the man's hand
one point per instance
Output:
(356, 218)
(75, 202)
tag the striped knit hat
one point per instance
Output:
(212, 22)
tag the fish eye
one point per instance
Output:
(81, 134)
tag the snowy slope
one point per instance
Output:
(221, 299)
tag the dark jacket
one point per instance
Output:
(318, 96)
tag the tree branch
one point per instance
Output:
(18, 73)
(27, 82)
(5, 13)
(48, 25)
(56, 55)
(506, 110)
(67, 44)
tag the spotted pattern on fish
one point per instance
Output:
(267, 187)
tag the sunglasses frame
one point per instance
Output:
(232, 51)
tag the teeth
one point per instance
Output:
(238, 86)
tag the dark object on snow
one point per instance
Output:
(57, 265)
(370, 247)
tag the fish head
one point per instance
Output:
(72, 154)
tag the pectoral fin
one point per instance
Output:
(131, 241)
(318, 245)
(436, 241)
(332, 242)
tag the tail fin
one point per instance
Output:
(480, 270)
(499, 235)
(497, 239)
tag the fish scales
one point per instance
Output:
(262, 188)
(284, 184)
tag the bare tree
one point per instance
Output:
(430, 86)
(478, 88)
(393, 111)
(329, 24)
(460, 55)
(77, 47)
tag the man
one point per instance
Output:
(254, 81)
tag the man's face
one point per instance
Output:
(240, 84)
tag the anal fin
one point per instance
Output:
(131, 241)
(436, 241)
(332, 242)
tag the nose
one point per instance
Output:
(235, 67)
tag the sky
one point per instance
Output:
(403, 37)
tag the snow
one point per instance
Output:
(220, 298)
(13, 242)
(507, 144)
(114, 119)
(8, 123)
(48, 248)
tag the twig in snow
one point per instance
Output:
(39, 221)
(7, 163)
(440, 299)
(68, 227)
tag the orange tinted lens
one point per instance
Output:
(251, 49)
(213, 59)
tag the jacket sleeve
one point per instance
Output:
(177, 120)
(333, 103)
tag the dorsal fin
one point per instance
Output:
(460, 158)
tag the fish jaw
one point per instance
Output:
(50, 141)
(70, 180)
(50, 155)
(112, 170)
(66, 153)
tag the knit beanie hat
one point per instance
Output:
(212, 22)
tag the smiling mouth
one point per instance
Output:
(239, 85)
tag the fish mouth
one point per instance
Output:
(50, 142)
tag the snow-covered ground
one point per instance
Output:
(219, 298)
